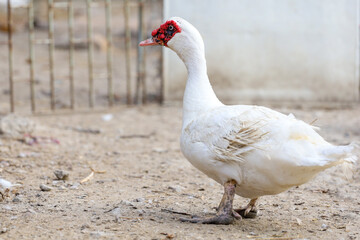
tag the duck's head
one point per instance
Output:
(177, 34)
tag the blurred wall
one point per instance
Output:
(272, 50)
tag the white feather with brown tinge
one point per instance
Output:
(265, 151)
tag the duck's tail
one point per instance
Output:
(346, 155)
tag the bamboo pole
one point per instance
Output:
(31, 54)
(71, 52)
(161, 69)
(51, 52)
(10, 57)
(127, 52)
(90, 53)
(143, 67)
(140, 82)
(108, 52)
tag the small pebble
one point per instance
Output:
(98, 234)
(30, 210)
(6, 207)
(61, 174)
(84, 226)
(127, 203)
(3, 230)
(116, 212)
(75, 186)
(82, 196)
(205, 211)
(140, 212)
(17, 199)
(176, 188)
(4, 184)
(107, 117)
(324, 227)
(159, 150)
(22, 155)
(57, 182)
(45, 188)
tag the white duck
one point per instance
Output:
(251, 150)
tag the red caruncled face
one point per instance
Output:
(166, 32)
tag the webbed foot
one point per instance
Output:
(225, 213)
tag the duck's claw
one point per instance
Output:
(236, 215)
(250, 211)
(247, 212)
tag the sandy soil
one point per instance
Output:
(146, 179)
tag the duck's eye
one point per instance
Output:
(171, 27)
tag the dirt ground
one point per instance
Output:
(141, 180)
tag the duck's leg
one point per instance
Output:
(225, 213)
(250, 211)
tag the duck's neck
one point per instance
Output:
(199, 96)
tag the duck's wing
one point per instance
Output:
(231, 133)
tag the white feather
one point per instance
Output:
(4, 184)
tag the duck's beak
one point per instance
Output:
(149, 42)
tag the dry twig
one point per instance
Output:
(91, 175)
(176, 212)
(272, 238)
(138, 135)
